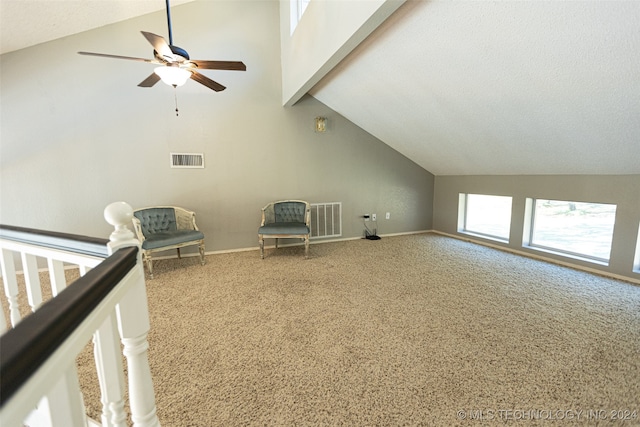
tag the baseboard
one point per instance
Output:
(406, 233)
(311, 242)
(542, 258)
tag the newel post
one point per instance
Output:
(133, 321)
(119, 215)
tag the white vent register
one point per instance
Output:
(187, 160)
(326, 220)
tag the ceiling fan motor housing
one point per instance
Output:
(179, 51)
(176, 51)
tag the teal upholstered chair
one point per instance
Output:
(285, 219)
(161, 228)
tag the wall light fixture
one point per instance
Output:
(321, 124)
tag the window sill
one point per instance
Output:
(569, 255)
(484, 236)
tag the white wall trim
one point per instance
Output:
(314, 242)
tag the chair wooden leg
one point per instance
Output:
(179, 257)
(276, 243)
(261, 243)
(149, 261)
(201, 249)
(306, 247)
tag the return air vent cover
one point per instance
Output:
(187, 160)
(326, 220)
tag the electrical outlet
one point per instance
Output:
(373, 217)
(366, 217)
(388, 215)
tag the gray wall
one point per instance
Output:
(621, 190)
(77, 134)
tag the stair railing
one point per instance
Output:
(39, 383)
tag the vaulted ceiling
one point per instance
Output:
(29, 22)
(459, 87)
(504, 87)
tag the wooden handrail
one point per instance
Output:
(24, 348)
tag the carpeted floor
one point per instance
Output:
(408, 330)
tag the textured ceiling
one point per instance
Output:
(459, 87)
(25, 23)
(480, 87)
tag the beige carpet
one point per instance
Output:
(409, 330)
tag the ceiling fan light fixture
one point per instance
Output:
(175, 65)
(173, 76)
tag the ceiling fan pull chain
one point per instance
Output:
(175, 96)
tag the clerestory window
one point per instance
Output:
(298, 7)
(576, 229)
(485, 215)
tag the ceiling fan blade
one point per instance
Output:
(160, 45)
(220, 65)
(150, 81)
(130, 58)
(206, 81)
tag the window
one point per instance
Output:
(578, 229)
(297, 10)
(636, 261)
(486, 216)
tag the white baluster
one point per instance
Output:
(56, 276)
(110, 373)
(133, 321)
(10, 285)
(141, 395)
(83, 269)
(32, 280)
(63, 404)
(3, 324)
(38, 417)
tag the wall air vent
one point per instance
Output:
(326, 220)
(187, 160)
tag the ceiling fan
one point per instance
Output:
(175, 66)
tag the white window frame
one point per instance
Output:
(462, 218)
(529, 231)
(636, 259)
(298, 7)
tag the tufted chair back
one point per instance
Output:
(286, 211)
(290, 211)
(156, 220)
